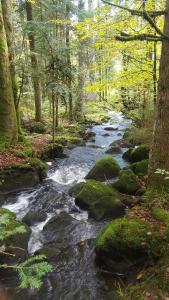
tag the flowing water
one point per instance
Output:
(66, 230)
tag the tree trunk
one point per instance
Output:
(7, 12)
(34, 63)
(79, 109)
(159, 156)
(8, 122)
(69, 77)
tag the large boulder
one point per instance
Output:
(127, 241)
(14, 237)
(21, 176)
(114, 148)
(140, 168)
(137, 154)
(33, 217)
(127, 154)
(127, 182)
(100, 200)
(140, 153)
(75, 190)
(105, 168)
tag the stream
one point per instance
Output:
(66, 230)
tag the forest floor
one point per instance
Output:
(151, 280)
(34, 143)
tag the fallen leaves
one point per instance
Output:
(7, 160)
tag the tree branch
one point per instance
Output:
(146, 15)
(124, 37)
(152, 14)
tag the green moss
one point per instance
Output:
(138, 136)
(154, 283)
(51, 151)
(140, 153)
(107, 207)
(129, 238)
(24, 153)
(10, 214)
(105, 168)
(35, 162)
(161, 214)
(75, 190)
(127, 155)
(99, 199)
(127, 182)
(92, 191)
(140, 168)
(114, 149)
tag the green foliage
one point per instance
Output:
(26, 152)
(31, 270)
(8, 225)
(161, 214)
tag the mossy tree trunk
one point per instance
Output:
(35, 67)
(159, 157)
(7, 13)
(8, 121)
(79, 108)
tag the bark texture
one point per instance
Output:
(8, 121)
(34, 63)
(159, 156)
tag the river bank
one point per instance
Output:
(73, 251)
(67, 234)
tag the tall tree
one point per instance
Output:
(159, 158)
(8, 121)
(7, 16)
(34, 63)
(69, 75)
(79, 109)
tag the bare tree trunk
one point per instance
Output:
(34, 63)
(8, 121)
(159, 157)
(69, 77)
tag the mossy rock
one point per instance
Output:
(105, 168)
(100, 200)
(114, 149)
(51, 151)
(129, 241)
(14, 236)
(140, 153)
(75, 190)
(140, 168)
(127, 155)
(23, 175)
(33, 217)
(127, 182)
(49, 252)
(111, 128)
